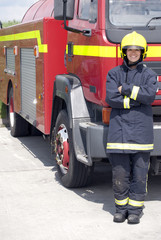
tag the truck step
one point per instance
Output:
(156, 165)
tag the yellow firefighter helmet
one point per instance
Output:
(132, 40)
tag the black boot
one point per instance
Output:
(133, 219)
(119, 218)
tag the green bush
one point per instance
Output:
(3, 110)
(10, 23)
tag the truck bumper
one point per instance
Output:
(157, 140)
(95, 138)
(97, 141)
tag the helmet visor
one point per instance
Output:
(133, 47)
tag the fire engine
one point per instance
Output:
(53, 68)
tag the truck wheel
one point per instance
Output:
(72, 172)
(18, 125)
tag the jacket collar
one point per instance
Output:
(126, 68)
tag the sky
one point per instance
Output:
(14, 9)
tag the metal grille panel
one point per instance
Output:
(155, 66)
(10, 60)
(28, 84)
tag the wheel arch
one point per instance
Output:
(68, 94)
(59, 104)
(67, 91)
(61, 98)
(10, 85)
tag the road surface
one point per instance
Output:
(35, 206)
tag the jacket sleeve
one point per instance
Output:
(144, 94)
(113, 97)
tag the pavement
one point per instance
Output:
(35, 206)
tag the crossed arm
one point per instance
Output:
(130, 95)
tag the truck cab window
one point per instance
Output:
(134, 12)
(88, 10)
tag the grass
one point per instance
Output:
(3, 110)
(10, 23)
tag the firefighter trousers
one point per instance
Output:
(130, 174)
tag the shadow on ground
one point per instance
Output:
(100, 189)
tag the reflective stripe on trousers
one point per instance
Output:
(128, 201)
(130, 181)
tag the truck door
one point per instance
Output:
(82, 61)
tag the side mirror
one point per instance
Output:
(59, 9)
(64, 10)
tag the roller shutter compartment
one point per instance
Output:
(28, 84)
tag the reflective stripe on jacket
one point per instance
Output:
(131, 121)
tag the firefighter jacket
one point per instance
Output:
(131, 121)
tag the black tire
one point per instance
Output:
(71, 172)
(18, 125)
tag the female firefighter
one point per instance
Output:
(130, 90)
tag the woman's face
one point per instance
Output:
(133, 55)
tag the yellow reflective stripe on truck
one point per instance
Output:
(93, 51)
(108, 51)
(153, 51)
(25, 36)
